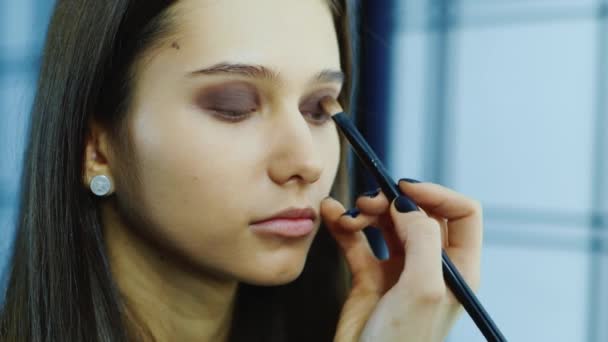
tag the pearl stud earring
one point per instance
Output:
(101, 185)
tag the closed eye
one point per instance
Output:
(232, 101)
(311, 107)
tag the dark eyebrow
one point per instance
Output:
(328, 76)
(262, 72)
(253, 71)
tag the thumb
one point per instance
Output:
(353, 244)
(421, 239)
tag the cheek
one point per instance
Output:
(328, 143)
(188, 153)
(198, 180)
(190, 173)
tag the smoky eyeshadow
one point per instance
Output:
(312, 103)
(234, 96)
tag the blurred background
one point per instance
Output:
(501, 100)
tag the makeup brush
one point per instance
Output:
(452, 277)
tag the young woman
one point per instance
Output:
(177, 178)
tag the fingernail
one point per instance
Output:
(352, 212)
(405, 205)
(409, 180)
(371, 193)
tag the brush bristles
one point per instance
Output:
(331, 106)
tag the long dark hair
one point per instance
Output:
(60, 287)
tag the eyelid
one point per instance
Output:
(229, 95)
(311, 106)
(236, 101)
(315, 97)
(231, 116)
(323, 92)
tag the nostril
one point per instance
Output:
(308, 174)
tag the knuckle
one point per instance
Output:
(419, 219)
(366, 289)
(426, 227)
(470, 269)
(430, 295)
(476, 207)
(475, 281)
(476, 285)
(471, 277)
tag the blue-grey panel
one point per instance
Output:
(533, 294)
(23, 27)
(16, 93)
(509, 7)
(408, 105)
(7, 233)
(17, 27)
(600, 299)
(522, 115)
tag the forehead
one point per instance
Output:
(287, 35)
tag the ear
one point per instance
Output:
(96, 154)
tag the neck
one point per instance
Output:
(170, 299)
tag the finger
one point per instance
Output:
(463, 214)
(354, 245)
(373, 203)
(464, 225)
(376, 203)
(356, 250)
(439, 200)
(392, 240)
(353, 220)
(421, 237)
(443, 225)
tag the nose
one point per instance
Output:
(295, 157)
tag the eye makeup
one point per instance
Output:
(311, 107)
(237, 100)
(233, 101)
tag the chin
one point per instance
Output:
(278, 272)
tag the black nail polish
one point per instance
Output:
(371, 193)
(352, 212)
(409, 180)
(405, 205)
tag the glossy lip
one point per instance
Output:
(291, 213)
(289, 223)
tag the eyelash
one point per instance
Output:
(325, 117)
(233, 115)
(236, 116)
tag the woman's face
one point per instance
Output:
(227, 131)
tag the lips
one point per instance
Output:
(292, 213)
(291, 223)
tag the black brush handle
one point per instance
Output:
(452, 277)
